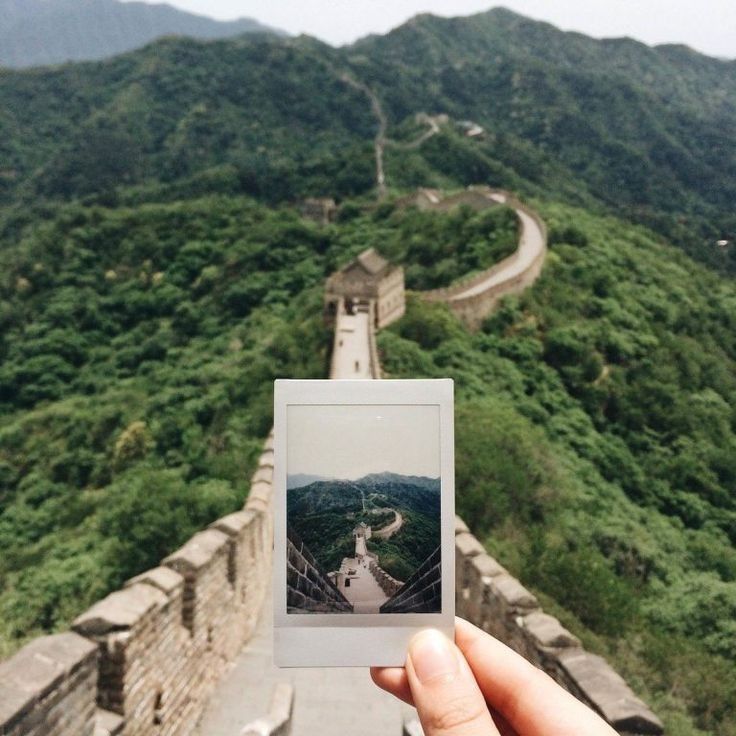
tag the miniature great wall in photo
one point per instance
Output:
(185, 648)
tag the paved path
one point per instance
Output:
(391, 528)
(531, 244)
(363, 592)
(351, 355)
(328, 702)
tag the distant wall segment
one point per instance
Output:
(475, 297)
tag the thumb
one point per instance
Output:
(445, 693)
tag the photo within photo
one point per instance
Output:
(363, 506)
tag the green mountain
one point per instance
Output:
(155, 278)
(325, 513)
(42, 32)
(649, 134)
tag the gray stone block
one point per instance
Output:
(37, 669)
(120, 611)
(606, 690)
(266, 459)
(108, 724)
(513, 592)
(264, 474)
(460, 526)
(199, 551)
(163, 578)
(467, 545)
(547, 631)
(234, 524)
(485, 566)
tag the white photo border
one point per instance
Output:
(359, 639)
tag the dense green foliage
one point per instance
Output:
(649, 133)
(595, 450)
(325, 513)
(137, 353)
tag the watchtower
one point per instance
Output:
(368, 278)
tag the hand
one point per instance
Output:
(480, 687)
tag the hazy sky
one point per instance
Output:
(707, 25)
(348, 442)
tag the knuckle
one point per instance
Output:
(454, 715)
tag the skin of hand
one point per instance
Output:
(477, 686)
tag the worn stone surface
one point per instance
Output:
(547, 631)
(108, 724)
(488, 596)
(234, 524)
(513, 592)
(50, 677)
(121, 610)
(163, 578)
(460, 526)
(198, 551)
(485, 566)
(467, 545)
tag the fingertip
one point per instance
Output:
(394, 681)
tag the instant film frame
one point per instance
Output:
(316, 623)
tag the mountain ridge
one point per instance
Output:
(40, 33)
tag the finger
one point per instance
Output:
(531, 701)
(446, 695)
(394, 681)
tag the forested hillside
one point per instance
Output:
(155, 277)
(38, 32)
(647, 133)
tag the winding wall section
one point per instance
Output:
(473, 299)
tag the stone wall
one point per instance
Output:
(422, 592)
(475, 308)
(488, 596)
(308, 589)
(144, 660)
(388, 584)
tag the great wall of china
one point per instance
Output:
(185, 648)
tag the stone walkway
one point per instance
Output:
(364, 592)
(351, 357)
(531, 243)
(328, 702)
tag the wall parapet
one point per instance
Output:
(308, 588)
(144, 660)
(488, 596)
(471, 305)
(422, 592)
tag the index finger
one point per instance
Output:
(531, 701)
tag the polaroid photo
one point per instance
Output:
(364, 509)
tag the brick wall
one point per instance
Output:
(422, 592)
(491, 598)
(144, 660)
(474, 309)
(389, 585)
(308, 589)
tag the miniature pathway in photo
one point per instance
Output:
(392, 527)
(364, 592)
